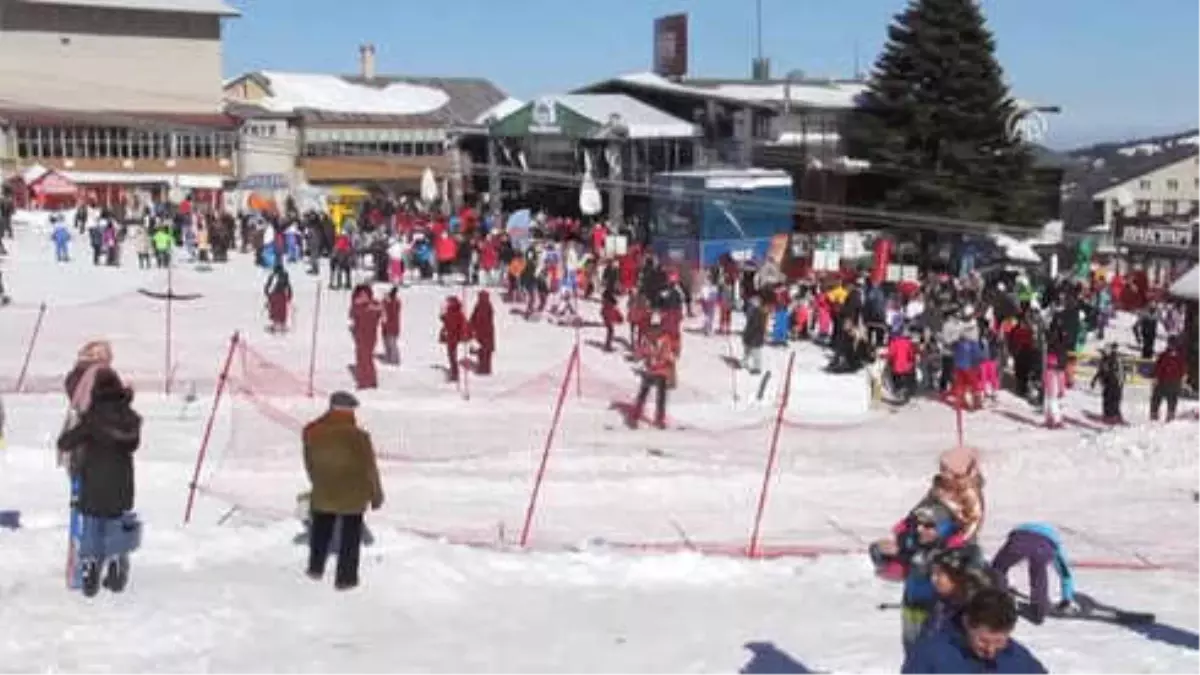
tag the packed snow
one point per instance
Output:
(444, 586)
(295, 91)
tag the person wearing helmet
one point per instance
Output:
(908, 555)
(957, 574)
(1040, 545)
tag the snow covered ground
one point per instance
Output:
(226, 592)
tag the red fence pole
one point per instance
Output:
(208, 427)
(312, 355)
(766, 484)
(33, 338)
(541, 472)
(578, 362)
(170, 299)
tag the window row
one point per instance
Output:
(1170, 207)
(1172, 184)
(121, 143)
(373, 149)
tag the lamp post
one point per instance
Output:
(618, 134)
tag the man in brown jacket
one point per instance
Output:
(340, 462)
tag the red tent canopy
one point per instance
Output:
(53, 183)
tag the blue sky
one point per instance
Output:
(1118, 68)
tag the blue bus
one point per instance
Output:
(698, 216)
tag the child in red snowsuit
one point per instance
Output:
(658, 353)
(454, 330)
(364, 327)
(391, 326)
(483, 330)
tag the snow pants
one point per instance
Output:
(391, 349)
(1038, 552)
(1164, 391)
(452, 361)
(105, 538)
(752, 361)
(320, 540)
(912, 621)
(484, 360)
(659, 384)
(364, 365)
(61, 254)
(1110, 400)
(989, 376)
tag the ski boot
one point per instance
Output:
(116, 576)
(89, 571)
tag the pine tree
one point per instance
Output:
(934, 121)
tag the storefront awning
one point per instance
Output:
(1188, 285)
(55, 184)
(348, 192)
(180, 180)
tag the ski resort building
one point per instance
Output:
(356, 130)
(117, 97)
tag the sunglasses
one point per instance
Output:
(926, 524)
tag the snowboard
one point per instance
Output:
(74, 537)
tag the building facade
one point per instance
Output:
(121, 97)
(364, 129)
(1168, 192)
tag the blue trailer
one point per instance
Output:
(698, 216)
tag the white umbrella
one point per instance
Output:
(1016, 251)
(589, 197)
(1188, 285)
(429, 187)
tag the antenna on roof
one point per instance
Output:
(857, 70)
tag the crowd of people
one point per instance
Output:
(961, 338)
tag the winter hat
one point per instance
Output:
(95, 351)
(342, 400)
(958, 461)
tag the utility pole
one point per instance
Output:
(758, 28)
(494, 185)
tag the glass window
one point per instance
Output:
(1172, 184)
(1170, 206)
(1143, 207)
(1143, 184)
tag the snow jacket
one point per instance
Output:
(340, 461)
(101, 445)
(967, 354)
(948, 651)
(901, 355)
(1170, 367)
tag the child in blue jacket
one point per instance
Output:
(1040, 545)
(918, 538)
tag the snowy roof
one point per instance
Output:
(1188, 285)
(736, 179)
(643, 121)
(817, 95)
(217, 7)
(290, 92)
(32, 173)
(501, 110)
(659, 83)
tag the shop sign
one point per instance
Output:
(545, 117)
(1161, 237)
